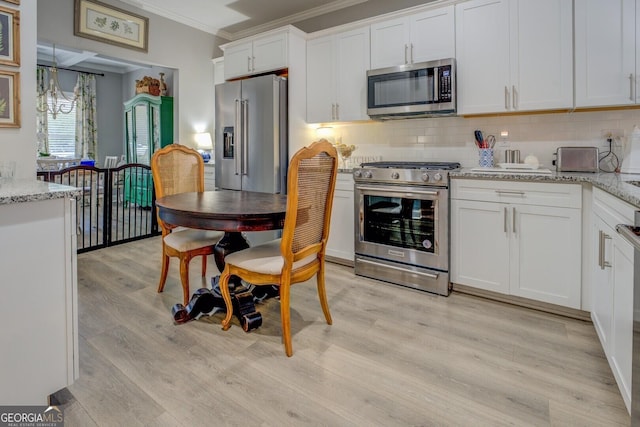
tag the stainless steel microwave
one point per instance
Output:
(425, 89)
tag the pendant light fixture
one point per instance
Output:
(56, 101)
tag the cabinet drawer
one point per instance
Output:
(344, 182)
(611, 209)
(525, 193)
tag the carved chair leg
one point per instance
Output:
(184, 278)
(163, 272)
(322, 295)
(285, 316)
(204, 265)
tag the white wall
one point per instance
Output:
(19, 144)
(171, 45)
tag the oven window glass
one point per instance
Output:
(401, 222)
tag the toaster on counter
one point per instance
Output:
(577, 159)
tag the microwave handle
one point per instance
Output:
(436, 84)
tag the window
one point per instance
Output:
(62, 129)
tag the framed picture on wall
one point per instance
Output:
(108, 24)
(13, 1)
(9, 36)
(9, 99)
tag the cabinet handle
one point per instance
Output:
(505, 220)
(333, 111)
(253, 63)
(406, 47)
(506, 98)
(337, 117)
(411, 53)
(631, 87)
(513, 220)
(515, 97)
(510, 192)
(249, 64)
(601, 250)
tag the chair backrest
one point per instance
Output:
(310, 187)
(176, 169)
(110, 162)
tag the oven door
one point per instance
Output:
(403, 224)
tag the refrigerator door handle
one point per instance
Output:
(245, 136)
(238, 138)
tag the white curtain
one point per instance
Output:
(86, 117)
(42, 124)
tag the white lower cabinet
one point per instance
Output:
(209, 177)
(518, 238)
(341, 244)
(39, 317)
(612, 290)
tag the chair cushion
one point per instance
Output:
(188, 239)
(265, 258)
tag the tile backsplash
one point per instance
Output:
(451, 138)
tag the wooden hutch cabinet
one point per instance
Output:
(148, 127)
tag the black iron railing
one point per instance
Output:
(116, 206)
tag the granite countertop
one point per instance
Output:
(613, 183)
(31, 190)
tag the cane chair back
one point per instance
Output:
(300, 253)
(179, 169)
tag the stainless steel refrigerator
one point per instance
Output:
(251, 134)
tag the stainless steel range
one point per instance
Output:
(402, 223)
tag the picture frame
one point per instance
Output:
(105, 23)
(13, 1)
(9, 99)
(9, 36)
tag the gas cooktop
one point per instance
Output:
(412, 165)
(408, 173)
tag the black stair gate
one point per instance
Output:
(117, 205)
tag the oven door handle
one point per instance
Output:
(395, 190)
(391, 267)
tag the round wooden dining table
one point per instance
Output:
(230, 211)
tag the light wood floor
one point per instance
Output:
(393, 357)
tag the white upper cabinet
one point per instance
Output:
(606, 52)
(267, 52)
(336, 77)
(514, 55)
(420, 37)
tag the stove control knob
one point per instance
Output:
(395, 175)
(357, 173)
(425, 177)
(368, 174)
(437, 176)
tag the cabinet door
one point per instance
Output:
(432, 35)
(269, 53)
(601, 290)
(546, 246)
(480, 245)
(390, 43)
(541, 55)
(605, 43)
(237, 60)
(622, 320)
(320, 80)
(352, 63)
(341, 243)
(482, 55)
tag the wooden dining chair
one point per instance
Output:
(300, 253)
(179, 169)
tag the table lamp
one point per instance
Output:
(205, 145)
